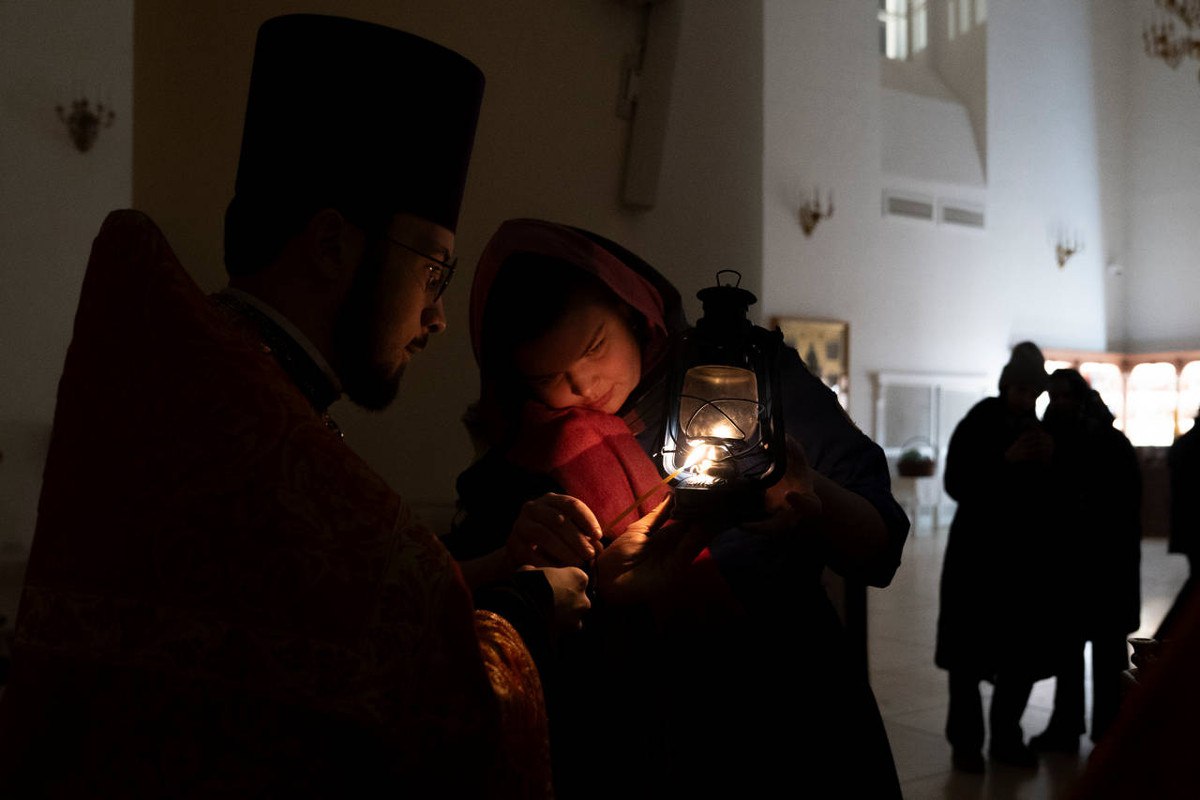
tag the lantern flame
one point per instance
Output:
(700, 462)
(724, 430)
(696, 455)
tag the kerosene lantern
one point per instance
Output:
(724, 434)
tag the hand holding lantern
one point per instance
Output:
(645, 563)
(794, 499)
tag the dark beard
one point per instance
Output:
(366, 381)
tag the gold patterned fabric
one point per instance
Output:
(222, 599)
(514, 679)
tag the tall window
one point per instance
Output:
(1153, 399)
(920, 26)
(962, 15)
(1189, 395)
(903, 28)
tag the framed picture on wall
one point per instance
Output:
(825, 347)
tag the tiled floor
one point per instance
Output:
(912, 692)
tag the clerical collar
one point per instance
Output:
(299, 358)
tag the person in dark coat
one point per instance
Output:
(222, 599)
(1102, 488)
(1150, 751)
(998, 578)
(1183, 460)
(737, 680)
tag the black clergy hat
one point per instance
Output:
(359, 117)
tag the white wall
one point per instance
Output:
(1044, 169)
(962, 63)
(921, 297)
(1164, 188)
(1116, 47)
(52, 201)
(710, 202)
(928, 138)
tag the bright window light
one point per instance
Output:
(1152, 401)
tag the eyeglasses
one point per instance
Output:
(440, 271)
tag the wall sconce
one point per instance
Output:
(1161, 39)
(84, 122)
(1064, 249)
(811, 211)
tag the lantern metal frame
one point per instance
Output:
(733, 484)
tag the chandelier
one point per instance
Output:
(1163, 41)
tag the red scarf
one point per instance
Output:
(593, 457)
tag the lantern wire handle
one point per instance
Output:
(747, 445)
(721, 272)
(705, 404)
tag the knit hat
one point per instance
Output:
(1025, 366)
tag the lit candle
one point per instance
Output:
(695, 456)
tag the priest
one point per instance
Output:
(222, 599)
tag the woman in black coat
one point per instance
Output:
(1101, 481)
(1001, 583)
(639, 703)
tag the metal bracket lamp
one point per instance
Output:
(812, 212)
(85, 121)
(1064, 249)
(1161, 39)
